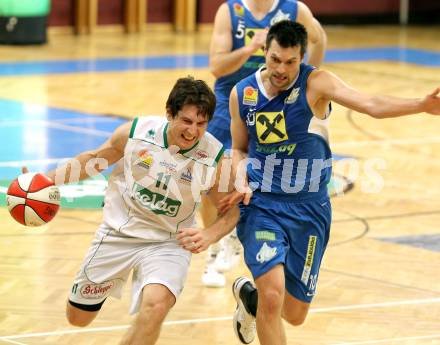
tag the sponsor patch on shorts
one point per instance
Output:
(309, 259)
(264, 235)
(266, 253)
(96, 291)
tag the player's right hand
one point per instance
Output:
(432, 102)
(259, 39)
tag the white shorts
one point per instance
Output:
(112, 256)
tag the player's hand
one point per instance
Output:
(432, 102)
(227, 202)
(232, 199)
(195, 240)
(242, 186)
(259, 39)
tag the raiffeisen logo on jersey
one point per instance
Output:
(156, 202)
(238, 10)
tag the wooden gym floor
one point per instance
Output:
(380, 279)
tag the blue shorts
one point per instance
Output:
(290, 233)
(220, 125)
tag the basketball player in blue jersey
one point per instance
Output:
(240, 30)
(279, 121)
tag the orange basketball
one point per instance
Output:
(33, 199)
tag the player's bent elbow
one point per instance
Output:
(322, 37)
(215, 70)
(375, 114)
(215, 73)
(372, 109)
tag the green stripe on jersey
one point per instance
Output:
(133, 127)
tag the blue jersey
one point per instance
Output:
(244, 26)
(288, 145)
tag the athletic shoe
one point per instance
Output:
(244, 322)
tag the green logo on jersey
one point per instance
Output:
(157, 202)
(289, 148)
(264, 235)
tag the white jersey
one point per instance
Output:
(154, 189)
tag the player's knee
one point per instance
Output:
(81, 315)
(295, 320)
(158, 308)
(295, 317)
(270, 301)
(77, 319)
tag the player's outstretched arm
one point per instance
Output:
(240, 142)
(91, 163)
(323, 85)
(222, 59)
(239, 150)
(317, 38)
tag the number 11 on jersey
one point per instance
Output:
(162, 180)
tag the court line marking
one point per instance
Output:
(422, 57)
(75, 129)
(408, 141)
(111, 328)
(64, 127)
(12, 342)
(226, 318)
(86, 119)
(379, 341)
(31, 162)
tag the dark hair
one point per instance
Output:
(288, 34)
(188, 91)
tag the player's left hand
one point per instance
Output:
(195, 240)
(229, 201)
(432, 102)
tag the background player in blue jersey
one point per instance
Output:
(279, 117)
(240, 30)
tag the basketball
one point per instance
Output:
(33, 199)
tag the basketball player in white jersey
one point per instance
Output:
(239, 33)
(163, 165)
